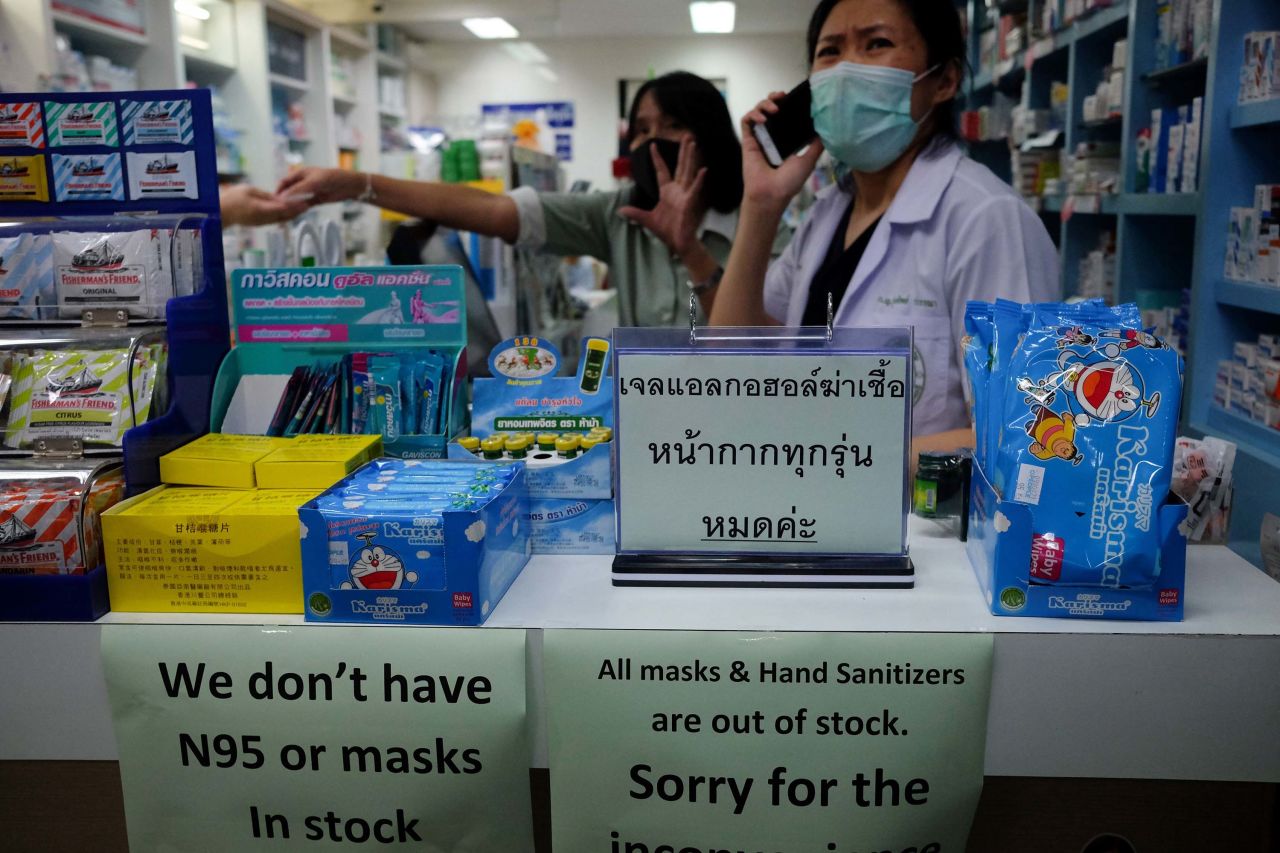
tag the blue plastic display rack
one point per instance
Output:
(151, 123)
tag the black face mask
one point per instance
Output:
(645, 194)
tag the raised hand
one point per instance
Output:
(680, 208)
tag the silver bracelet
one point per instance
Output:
(368, 196)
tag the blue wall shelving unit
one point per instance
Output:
(1163, 242)
(1241, 147)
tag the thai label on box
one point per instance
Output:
(571, 526)
(87, 177)
(85, 123)
(23, 179)
(156, 122)
(328, 305)
(20, 124)
(162, 175)
(175, 549)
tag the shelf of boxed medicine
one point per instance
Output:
(1159, 204)
(1254, 437)
(95, 33)
(1255, 297)
(1258, 114)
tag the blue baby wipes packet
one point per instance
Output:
(1089, 417)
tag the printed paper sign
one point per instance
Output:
(761, 452)
(152, 122)
(23, 179)
(88, 123)
(170, 174)
(301, 738)
(20, 125)
(785, 743)
(87, 177)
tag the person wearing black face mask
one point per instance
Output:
(665, 236)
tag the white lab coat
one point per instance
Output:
(954, 232)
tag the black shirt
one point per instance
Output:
(836, 272)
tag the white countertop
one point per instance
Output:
(1225, 595)
(1196, 699)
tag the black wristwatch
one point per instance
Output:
(702, 288)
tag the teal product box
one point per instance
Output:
(559, 526)
(524, 395)
(288, 318)
(398, 562)
(1002, 547)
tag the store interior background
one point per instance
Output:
(366, 77)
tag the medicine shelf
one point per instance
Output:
(96, 33)
(1159, 204)
(1255, 297)
(206, 66)
(1254, 438)
(390, 63)
(1047, 47)
(343, 38)
(1100, 20)
(1186, 71)
(1258, 114)
(291, 84)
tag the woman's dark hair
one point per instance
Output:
(699, 106)
(939, 24)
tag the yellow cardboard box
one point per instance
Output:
(221, 461)
(315, 461)
(177, 550)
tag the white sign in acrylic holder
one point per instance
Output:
(762, 457)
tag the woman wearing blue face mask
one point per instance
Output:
(662, 238)
(913, 230)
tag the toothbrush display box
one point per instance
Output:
(290, 318)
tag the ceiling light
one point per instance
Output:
(714, 17)
(526, 52)
(191, 10)
(490, 28)
(546, 72)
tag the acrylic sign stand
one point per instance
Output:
(762, 457)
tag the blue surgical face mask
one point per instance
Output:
(863, 113)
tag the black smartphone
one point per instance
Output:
(789, 129)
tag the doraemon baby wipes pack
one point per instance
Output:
(1071, 502)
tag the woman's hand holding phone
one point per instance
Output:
(765, 186)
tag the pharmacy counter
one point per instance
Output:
(1195, 700)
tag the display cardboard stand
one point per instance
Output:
(999, 549)
(762, 457)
